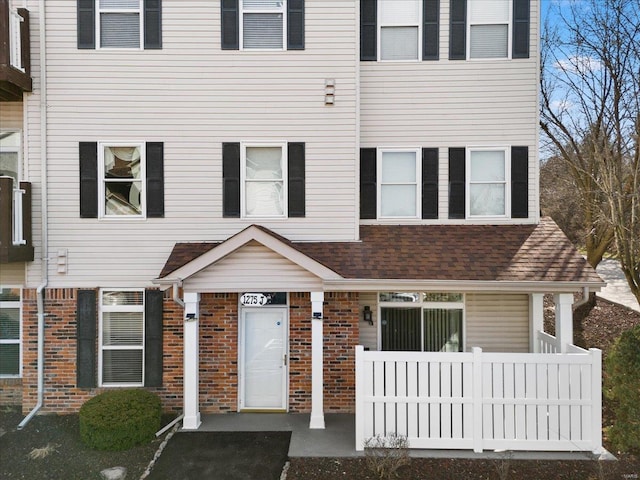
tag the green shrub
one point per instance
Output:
(622, 386)
(120, 419)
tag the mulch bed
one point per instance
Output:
(69, 459)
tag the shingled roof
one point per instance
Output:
(512, 253)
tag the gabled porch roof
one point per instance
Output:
(514, 257)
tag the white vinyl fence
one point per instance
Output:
(481, 401)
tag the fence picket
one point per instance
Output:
(481, 400)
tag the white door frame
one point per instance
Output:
(241, 350)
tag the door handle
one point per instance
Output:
(285, 359)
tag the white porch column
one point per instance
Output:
(191, 378)
(564, 320)
(536, 320)
(317, 393)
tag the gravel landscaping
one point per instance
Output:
(49, 447)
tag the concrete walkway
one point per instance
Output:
(338, 438)
(617, 289)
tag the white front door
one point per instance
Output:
(263, 359)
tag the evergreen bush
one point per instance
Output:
(622, 386)
(120, 419)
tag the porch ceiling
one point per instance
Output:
(447, 253)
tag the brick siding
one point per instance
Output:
(218, 354)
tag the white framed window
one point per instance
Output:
(488, 188)
(10, 142)
(399, 171)
(263, 24)
(121, 173)
(489, 28)
(119, 23)
(121, 337)
(263, 176)
(421, 321)
(399, 30)
(10, 332)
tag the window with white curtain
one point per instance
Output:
(10, 155)
(122, 176)
(399, 191)
(489, 28)
(427, 322)
(10, 332)
(263, 24)
(122, 337)
(264, 183)
(119, 23)
(399, 24)
(488, 188)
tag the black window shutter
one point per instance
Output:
(521, 18)
(155, 179)
(430, 29)
(153, 338)
(88, 180)
(152, 24)
(458, 30)
(368, 187)
(86, 339)
(296, 180)
(86, 27)
(457, 204)
(429, 183)
(295, 25)
(368, 30)
(231, 180)
(519, 182)
(230, 25)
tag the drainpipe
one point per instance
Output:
(585, 298)
(44, 218)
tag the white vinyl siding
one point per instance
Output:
(369, 333)
(253, 268)
(497, 322)
(488, 102)
(213, 96)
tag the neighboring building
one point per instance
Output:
(236, 193)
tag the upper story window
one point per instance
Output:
(399, 189)
(488, 186)
(262, 24)
(489, 182)
(399, 29)
(119, 24)
(10, 155)
(398, 183)
(263, 180)
(121, 180)
(264, 186)
(489, 28)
